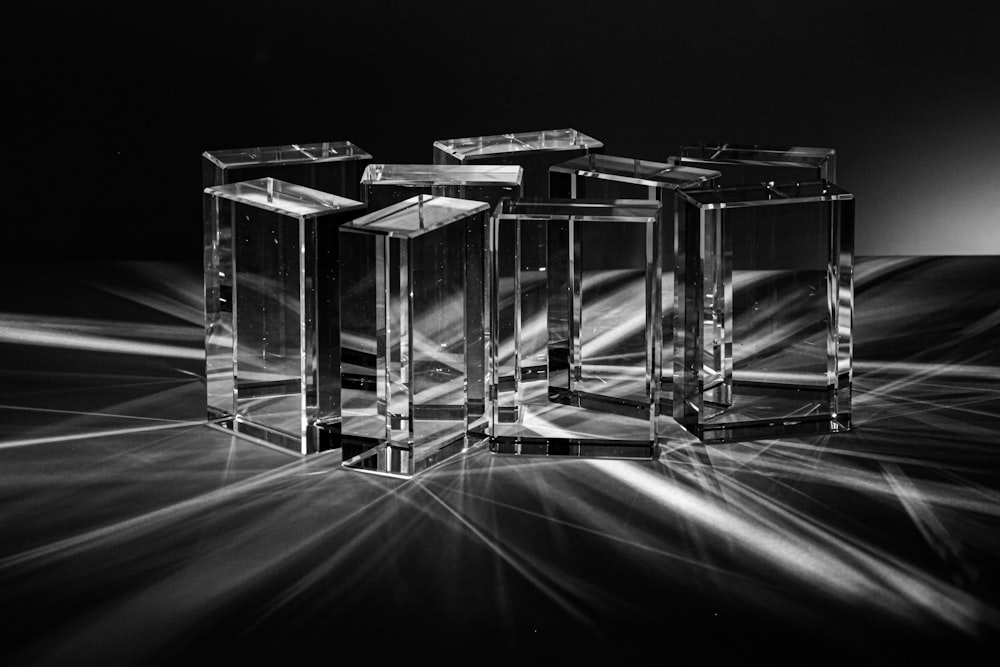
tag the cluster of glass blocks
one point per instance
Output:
(525, 290)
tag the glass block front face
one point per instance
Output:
(331, 167)
(763, 342)
(283, 379)
(603, 322)
(414, 333)
(609, 177)
(386, 184)
(742, 164)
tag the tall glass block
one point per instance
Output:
(283, 386)
(597, 176)
(407, 291)
(535, 152)
(762, 341)
(333, 167)
(742, 164)
(601, 397)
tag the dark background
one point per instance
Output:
(112, 103)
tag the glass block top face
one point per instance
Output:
(416, 216)
(761, 155)
(327, 151)
(766, 195)
(640, 209)
(639, 172)
(442, 174)
(286, 198)
(544, 140)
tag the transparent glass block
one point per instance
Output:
(601, 396)
(765, 294)
(535, 152)
(385, 184)
(742, 164)
(333, 167)
(597, 176)
(284, 383)
(407, 291)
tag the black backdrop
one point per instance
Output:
(113, 102)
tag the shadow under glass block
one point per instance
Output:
(284, 385)
(409, 358)
(763, 340)
(603, 322)
(744, 164)
(333, 167)
(597, 176)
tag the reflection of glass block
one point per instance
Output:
(407, 292)
(333, 167)
(385, 184)
(603, 322)
(284, 384)
(607, 177)
(762, 345)
(752, 165)
(535, 152)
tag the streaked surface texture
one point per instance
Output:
(134, 534)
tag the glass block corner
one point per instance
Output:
(414, 333)
(746, 164)
(274, 373)
(385, 184)
(765, 293)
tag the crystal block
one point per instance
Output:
(535, 152)
(285, 366)
(408, 290)
(598, 176)
(752, 165)
(601, 397)
(765, 294)
(333, 167)
(385, 184)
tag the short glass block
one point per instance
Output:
(765, 294)
(601, 394)
(598, 176)
(742, 164)
(284, 382)
(535, 152)
(333, 167)
(385, 184)
(408, 289)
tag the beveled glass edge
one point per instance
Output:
(231, 158)
(776, 156)
(581, 140)
(768, 194)
(283, 197)
(590, 208)
(454, 209)
(643, 172)
(442, 174)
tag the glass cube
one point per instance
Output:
(601, 394)
(765, 294)
(597, 176)
(535, 152)
(409, 286)
(742, 164)
(283, 387)
(385, 184)
(333, 167)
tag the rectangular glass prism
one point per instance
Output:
(333, 167)
(765, 294)
(385, 184)
(601, 397)
(742, 164)
(535, 152)
(610, 177)
(409, 287)
(284, 380)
